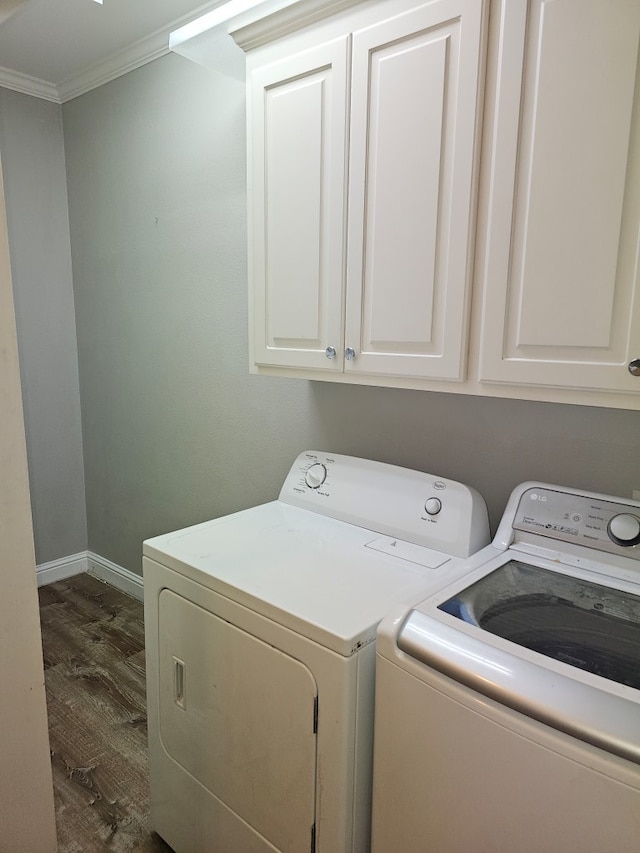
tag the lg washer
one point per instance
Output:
(508, 702)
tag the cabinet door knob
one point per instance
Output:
(349, 353)
(330, 352)
(634, 367)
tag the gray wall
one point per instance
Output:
(31, 142)
(175, 428)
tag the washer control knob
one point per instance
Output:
(316, 475)
(624, 529)
(634, 367)
(433, 506)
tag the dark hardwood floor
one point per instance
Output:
(93, 644)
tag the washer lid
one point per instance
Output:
(586, 689)
(313, 574)
(587, 625)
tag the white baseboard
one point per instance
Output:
(58, 570)
(95, 565)
(115, 575)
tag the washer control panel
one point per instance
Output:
(605, 524)
(413, 506)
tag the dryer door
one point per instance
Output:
(238, 715)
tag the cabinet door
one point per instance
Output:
(297, 132)
(561, 266)
(411, 190)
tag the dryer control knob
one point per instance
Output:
(624, 529)
(316, 475)
(433, 506)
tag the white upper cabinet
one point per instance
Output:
(446, 195)
(560, 268)
(392, 101)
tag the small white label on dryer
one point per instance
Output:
(408, 551)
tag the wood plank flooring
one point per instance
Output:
(93, 645)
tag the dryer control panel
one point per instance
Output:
(603, 523)
(420, 508)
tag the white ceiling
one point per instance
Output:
(58, 49)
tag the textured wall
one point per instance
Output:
(31, 142)
(175, 428)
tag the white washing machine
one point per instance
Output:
(260, 637)
(508, 703)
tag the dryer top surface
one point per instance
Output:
(327, 579)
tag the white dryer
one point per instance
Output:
(508, 702)
(260, 637)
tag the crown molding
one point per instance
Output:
(137, 54)
(132, 57)
(29, 85)
(249, 34)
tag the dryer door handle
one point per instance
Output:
(179, 683)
